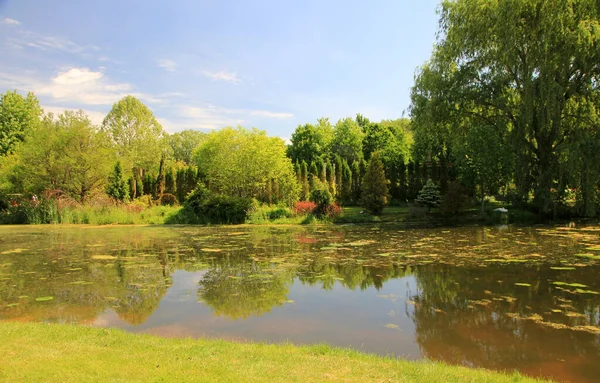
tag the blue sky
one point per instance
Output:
(209, 64)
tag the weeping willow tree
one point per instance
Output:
(527, 70)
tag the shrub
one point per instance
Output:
(456, 198)
(332, 211)
(211, 208)
(304, 207)
(321, 197)
(168, 199)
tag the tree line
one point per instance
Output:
(506, 106)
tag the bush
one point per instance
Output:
(456, 199)
(211, 208)
(168, 199)
(332, 211)
(321, 196)
(304, 207)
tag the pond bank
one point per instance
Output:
(53, 352)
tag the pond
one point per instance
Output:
(505, 298)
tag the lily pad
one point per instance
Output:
(103, 257)
(44, 299)
(565, 268)
(523, 284)
(569, 284)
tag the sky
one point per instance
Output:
(208, 64)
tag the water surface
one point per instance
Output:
(504, 298)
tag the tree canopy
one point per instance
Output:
(247, 163)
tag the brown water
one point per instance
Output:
(525, 299)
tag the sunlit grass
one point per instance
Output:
(64, 353)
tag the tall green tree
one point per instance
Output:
(374, 196)
(19, 116)
(530, 67)
(136, 135)
(348, 140)
(310, 142)
(117, 187)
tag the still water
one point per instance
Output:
(506, 298)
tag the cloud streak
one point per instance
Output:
(10, 21)
(230, 77)
(168, 65)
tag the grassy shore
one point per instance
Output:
(33, 352)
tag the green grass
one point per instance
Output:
(155, 215)
(32, 352)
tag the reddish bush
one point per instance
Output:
(304, 207)
(333, 211)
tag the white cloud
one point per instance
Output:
(80, 86)
(95, 116)
(168, 65)
(222, 75)
(10, 21)
(266, 113)
(214, 117)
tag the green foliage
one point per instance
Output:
(374, 196)
(310, 142)
(429, 196)
(182, 144)
(19, 117)
(66, 153)
(526, 71)
(245, 163)
(117, 186)
(136, 134)
(320, 194)
(348, 140)
(207, 207)
(456, 198)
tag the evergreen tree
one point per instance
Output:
(355, 181)
(429, 196)
(339, 170)
(117, 185)
(346, 182)
(305, 186)
(374, 195)
(402, 187)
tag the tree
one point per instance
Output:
(530, 67)
(67, 153)
(117, 185)
(182, 144)
(310, 142)
(240, 162)
(429, 196)
(348, 140)
(136, 135)
(19, 116)
(374, 196)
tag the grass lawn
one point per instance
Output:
(31, 352)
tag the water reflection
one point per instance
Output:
(503, 298)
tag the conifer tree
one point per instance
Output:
(374, 196)
(117, 185)
(429, 196)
